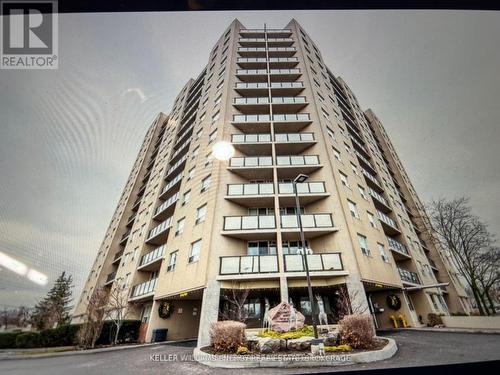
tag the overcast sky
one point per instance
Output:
(68, 138)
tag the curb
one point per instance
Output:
(445, 329)
(89, 351)
(235, 361)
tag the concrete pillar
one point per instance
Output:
(357, 295)
(209, 311)
(284, 289)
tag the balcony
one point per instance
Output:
(260, 33)
(143, 290)
(250, 227)
(288, 104)
(408, 277)
(248, 266)
(262, 88)
(117, 257)
(166, 208)
(379, 201)
(365, 162)
(389, 225)
(252, 75)
(125, 237)
(292, 122)
(286, 88)
(251, 195)
(289, 166)
(372, 181)
(308, 192)
(253, 123)
(319, 264)
(110, 278)
(293, 143)
(158, 234)
(171, 184)
(314, 225)
(136, 204)
(400, 250)
(261, 51)
(131, 219)
(258, 105)
(176, 167)
(252, 167)
(284, 75)
(151, 261)
(261, 62)
(252, 144)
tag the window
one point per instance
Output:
(363, 244)
(195, 252)
(195, 152)
(180, 226)
(172, 261)
(344, 180)
(371, 219)
(208, 159)
(354, 169)
(383, 254)
(353, 209)
(362, 192)
(330, 132)
(215, 117)
(200, 214)
(205, 183)
(185, 197)
(336, 153)
(261, 248)
(191, 173)
(199, 133)
(217, 100)
(212, 136)
(347, 148)
(252, 308)
(325, 113)
(134, 255)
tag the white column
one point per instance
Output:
(209, 311)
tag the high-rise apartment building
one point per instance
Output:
(189, 228)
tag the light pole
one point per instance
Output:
(299, 179)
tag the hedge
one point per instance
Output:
(66, 336)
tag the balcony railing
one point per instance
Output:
(315, 262)
(261, 100)
(166, 224)
(290, 160)
(264, 60)
(288, 99)
(398, 246)
(371, 178)
(251, 118)
(249, 222)
(294, 137)
(386, 219)
(308, 221)
(377, 196)
(152, 255)
(292, 117)
(248, 264)
(408, 276)
(171, 183)
(169, 202)
(286, 85)
(302, 188)
(144, 288)
(250, 189)
(250, 71)
(177, 164)
(118, 255)
(110, 277)
(251, 161)
(250, 138)
(264, 85)
(284, 71)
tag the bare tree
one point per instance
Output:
(236, 299)
(118, 308)
(349, 302)
(17, 316)
(94, 318)
(468, 240)
(489, 276)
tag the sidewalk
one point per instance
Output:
(445, 329)
(60, 351)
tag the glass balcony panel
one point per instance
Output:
(250, 222)
(235, 189)
(302, 188)
(281, 137)
(251, 161)
(282, 160)
(286, 188)
(267, 222)
(232, 223)
(314, 262)
(307, 136)
(294, 263)
(316, 187)
(289, 221)
(307, 221)
(266, 189)
(249, 264)
(311, 159)
(279, 117)
(252, 138)
(323, 220)
(237, 162)
(264, 137)
(331, 262)
(294, 137)
(268, 263)
(296, 160)
(265, 160)
(251, 189)
(229, 265)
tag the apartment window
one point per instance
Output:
(134, 255)
(212, 136)
(199, 133)
(205, 183)
(347, 148)
(195, 252)
(201, 212)
(353, 209)
(185, 197)
(354, 169)
(363, 244)
(217, 99)
(362, 192)
(202, 117)
(371, 219)
(320, 97)
(221, 83)
(330, 132)
(208, 159)
(383, 254)
(172, 261)
(325, 113)
(215, 117)
(261, 248)
(344, 180)
(195, 152)
(180, 226)
(336, 153)
(191, 173)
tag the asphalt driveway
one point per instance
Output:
(416, 348)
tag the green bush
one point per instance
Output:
(292, 334)
(28, 340)
(8, 340)
(129, 332)
(61, 336)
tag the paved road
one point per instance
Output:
(415, 349)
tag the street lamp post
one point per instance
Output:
(299, 179)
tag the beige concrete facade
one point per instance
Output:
(189, 228)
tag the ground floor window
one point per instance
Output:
(252, 308)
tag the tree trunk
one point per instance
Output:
(475, 292)
(118, 326)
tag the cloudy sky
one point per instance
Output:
(68, 138)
